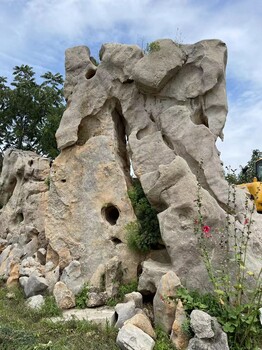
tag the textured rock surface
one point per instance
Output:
(164, 110)
(136, 297)
(201, 324)
(35, 285)
(142, 321)
(131, 337)
(23, 197)
(208, 333)
(164, 302)
(103, 316)
(152, 272)
(64, 297)
(178, 336)
(124, 312)
(35, 302)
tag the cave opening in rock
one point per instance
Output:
(110, 213)
(19, 217)
(90, 73)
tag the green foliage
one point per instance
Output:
(123, 289)
(25, 329)
(144, 234)
(154, 46)
(231, 176)
(186, 328)
(163, 341)
(247, 172)
(237, 297)
(82, 297)
(47, 181)
(49, 308)
(30, 112)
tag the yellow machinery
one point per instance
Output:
(255, 187)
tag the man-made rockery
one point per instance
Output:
(161, 111)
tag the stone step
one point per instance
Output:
(102, 316)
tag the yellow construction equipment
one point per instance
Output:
(255, 187)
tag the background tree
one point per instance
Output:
(247, 172)
(30, 112)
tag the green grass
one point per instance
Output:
(25, 329)
(123, 290)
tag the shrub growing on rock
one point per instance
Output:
(144, 234)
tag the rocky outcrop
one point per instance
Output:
(161, 111)
(23, 198)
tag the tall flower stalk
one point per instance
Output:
(237, 290)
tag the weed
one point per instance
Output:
(47, 181)
(237, 297)
(82, 297)
(163, 341)
(154, 46)
(123, 290)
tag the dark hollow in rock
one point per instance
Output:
(110, 213)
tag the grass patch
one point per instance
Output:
(163, 341)
(24, 329)
(123, 289)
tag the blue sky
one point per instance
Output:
(37, 32)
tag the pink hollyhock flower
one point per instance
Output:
(206, 229)
(246, 221)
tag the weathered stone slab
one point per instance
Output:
(102, 315)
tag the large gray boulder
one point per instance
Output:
(164, 110)
(161, 111)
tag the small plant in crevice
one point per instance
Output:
(47, 181)
(143, 234)
(82, 297)
(237, 296)
(154, 46)
(123, 290)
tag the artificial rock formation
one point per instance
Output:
(23, 198)
(162, 111)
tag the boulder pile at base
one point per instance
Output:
(155, 114)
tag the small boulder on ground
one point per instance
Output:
(141, 321)
(124, 312)
(131, 337)
(35, 302)
(208, 333)
(64, 297)
(164, 302)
